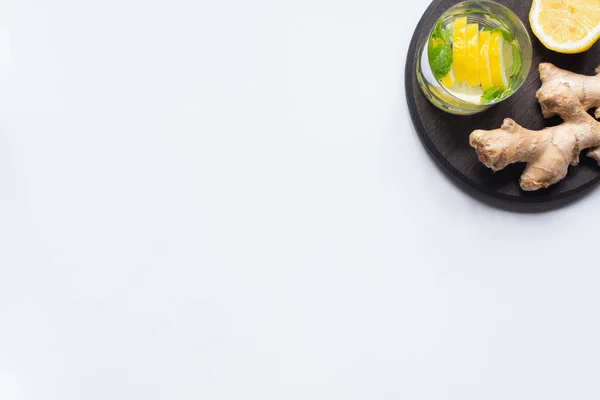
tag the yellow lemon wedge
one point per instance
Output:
(566, 26)
(459, 49)
(473, 54)
(449, 80)
(485, 75)
(496, 56)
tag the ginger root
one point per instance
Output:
(586, 88)
(548, 152)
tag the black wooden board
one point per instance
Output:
(446, 136)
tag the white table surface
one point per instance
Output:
(226, 199)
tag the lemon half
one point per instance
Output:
(566, 26)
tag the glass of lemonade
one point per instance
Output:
(477, 54)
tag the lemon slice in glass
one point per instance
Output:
(459, 49)
(449, 80)
(485, 75)
(498, 60)
(473, 54)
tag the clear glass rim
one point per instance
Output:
(462, 3)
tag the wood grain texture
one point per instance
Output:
(446, 136)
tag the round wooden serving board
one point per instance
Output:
(446, 136)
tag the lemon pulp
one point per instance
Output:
(566, 26)
(473, 54)
(459, 49)
(485, 75)
(496, 55)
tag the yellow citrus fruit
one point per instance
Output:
(566, 26)
(473, 54)
(485, 75)
(459, 49)
(449, 80)
(497, 62)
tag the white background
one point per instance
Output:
(226, 199)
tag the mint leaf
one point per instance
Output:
(517, 61)
(446, 34)
(437, 30)
(507, 35)
(440, 33)
(493, 94)
(440, 59)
